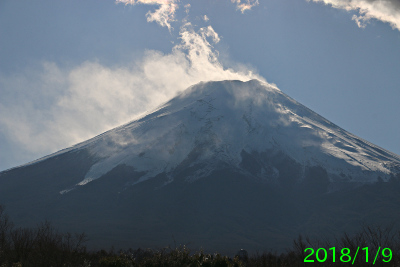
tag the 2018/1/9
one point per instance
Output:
(345, 254)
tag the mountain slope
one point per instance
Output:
(223, 165)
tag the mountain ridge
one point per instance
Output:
(194, 89)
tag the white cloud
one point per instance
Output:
(244, 5)
(49, 109)
(384, 10)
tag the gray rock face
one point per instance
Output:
(223, 166)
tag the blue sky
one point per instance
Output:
(70, 70)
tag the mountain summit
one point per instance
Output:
(222, 164)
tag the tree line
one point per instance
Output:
(44, 245)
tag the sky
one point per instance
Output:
(70, 70)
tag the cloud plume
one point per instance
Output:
(66, 106)
(384, 10)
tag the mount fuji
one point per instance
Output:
(223, 165)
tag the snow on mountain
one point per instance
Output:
(215, 124)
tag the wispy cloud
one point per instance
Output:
(165, 13)
(384, 10)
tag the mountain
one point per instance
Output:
(223, 165)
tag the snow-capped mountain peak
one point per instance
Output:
(217, 124)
